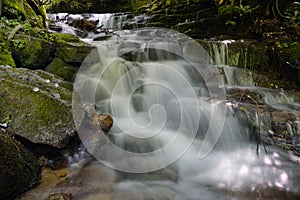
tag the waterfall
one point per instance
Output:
(164, 96)
(175, 136)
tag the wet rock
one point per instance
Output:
(83, 24)
(62, 69)
(60, 196)
(36, 115)
(18, 167)
(102, 37)
(81, 33)
(70, 49)
(54, 27)
(285, 123)
(31, 52)
(105, 121)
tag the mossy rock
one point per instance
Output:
(38, 105)
(6, 58)
(62, 69)
(31, 52)
(5, 53)
(70, 49)
(26, 9)
(18, 168)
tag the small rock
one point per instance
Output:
(54, 27)
(60, 196)
(105, 121)
(35, 89)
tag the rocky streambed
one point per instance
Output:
(40, 145)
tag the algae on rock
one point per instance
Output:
(27, 10)
(62, 69)
(31, 52)
(39, 106)
(70, 49)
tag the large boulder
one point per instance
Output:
(71, 49)
(31, 52)
(29, 10)
(38, 106)
(5, 53)
(62, 69)
(18, 167)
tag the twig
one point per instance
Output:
(14, 31)
(11, 140)
(258, 141)
(258, 134)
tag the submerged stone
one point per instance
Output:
(36, 115)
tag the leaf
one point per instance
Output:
(243, 109)
(220, 2)
(230, 22)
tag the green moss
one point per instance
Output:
(31, 110)
(18, 168)
(62, 37)
(20, 8)
(31, 52)
(5, 53)
(62, 69)
(40, 108)
(7, 59)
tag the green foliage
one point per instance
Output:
(293, 15)
(46, 35)
(19, 44)
(10, 22)
(235, 13)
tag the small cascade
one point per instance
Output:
(94, 25)
(218, 51)
(236, 76)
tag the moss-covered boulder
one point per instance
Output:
(38, 106)
(71, 49)
(31, 52)
(29, 10)
(5, 53)
(18, 168)
(62, 69)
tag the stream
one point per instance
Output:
(175, 134)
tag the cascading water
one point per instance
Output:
(162, 93)
(168, 104)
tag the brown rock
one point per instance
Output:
(60, 196)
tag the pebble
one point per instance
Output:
(35, 89)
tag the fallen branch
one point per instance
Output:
(246, 93)
(14, 31)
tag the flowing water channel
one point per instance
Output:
(175, 136)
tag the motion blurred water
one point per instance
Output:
(168, 103)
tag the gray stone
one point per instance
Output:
(28, 102)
